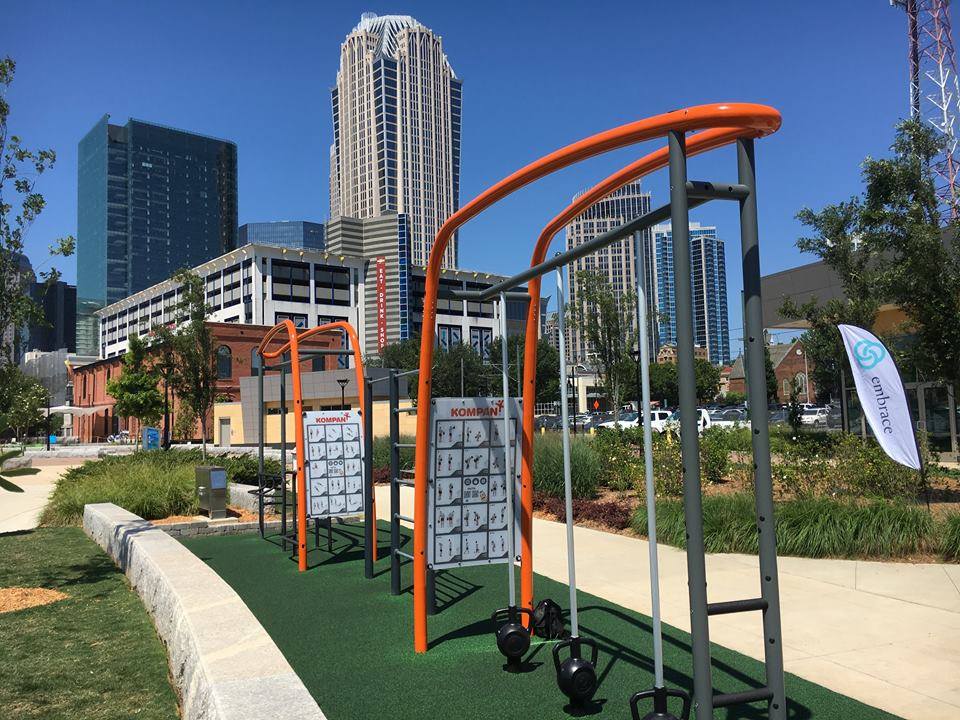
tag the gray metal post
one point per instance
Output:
(394, 403)
(567, 489)
(369, 517)
(759, 421)
(644, 363)
(508, 466)
(689, 426)
(283, 451)
(260, 506)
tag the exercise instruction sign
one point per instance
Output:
(468, 482)
(334, 463)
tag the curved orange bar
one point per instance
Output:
(760, 119)
(699, 143)
(292, 345)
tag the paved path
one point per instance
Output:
(21, 511)
(887, 634)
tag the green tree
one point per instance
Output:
(193, 351)
(135, 389)
(663, 384)
(708, 380)
(28, 400)
(606, 320)
(477, 376)
(20, 205)
(548, 367)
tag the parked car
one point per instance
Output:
(816, 417)
(729, 418)
(633, 419)
(779, 417)
(672, 423)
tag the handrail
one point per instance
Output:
(754, 119)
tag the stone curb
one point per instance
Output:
(223, 663)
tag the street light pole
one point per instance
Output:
(342, 382)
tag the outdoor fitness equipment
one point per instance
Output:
(659, 694)
(721, 124)
(290, 356)
(576, 676)
(513, 637)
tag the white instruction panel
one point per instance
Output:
(334, 446)
(468, 482)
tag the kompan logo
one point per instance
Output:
(869, 354)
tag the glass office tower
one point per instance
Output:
(708, 274)
(284, 233)
(150, 200)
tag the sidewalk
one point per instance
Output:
(21, 511)
(887, 634)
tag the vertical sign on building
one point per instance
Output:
(468, 482)
(381, 303)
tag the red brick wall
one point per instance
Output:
(90, 381)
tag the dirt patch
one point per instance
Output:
(241, 514)
(18, 598)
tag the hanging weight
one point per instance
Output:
(576, 676)
(660, 711)
(513, 639)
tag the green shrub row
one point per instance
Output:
(152, 484)
(381, 452)
(812, 527)
(585, 464)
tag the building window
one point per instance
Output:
(480, 339)
(290, 281)
(299, 321)
(224, 363)
(331, 285)
(448, 336)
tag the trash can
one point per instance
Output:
(212, 490)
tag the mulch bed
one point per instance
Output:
(21, 598)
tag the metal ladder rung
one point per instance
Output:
(409, 411)
(404, 445)
(404, 481)
(744, 697)
(401, 553)
(706, 190)
(736, 606)
(398, 516)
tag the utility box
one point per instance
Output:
(212, 490)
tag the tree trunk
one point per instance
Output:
(203, 435)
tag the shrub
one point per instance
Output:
(715, 454)
(667, 466)
(619, 451)
(381, 452)
(585, 471)
(950, 537)
(818, 527)
(862, 469)
(152, 484)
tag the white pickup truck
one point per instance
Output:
(630, 420)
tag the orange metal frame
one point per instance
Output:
(721, 123)
(293, 347)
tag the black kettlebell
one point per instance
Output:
(660, 711)
(513, 639)
(576, 676)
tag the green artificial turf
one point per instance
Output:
(94, 655)
(352, 642)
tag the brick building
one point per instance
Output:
(236, 358)
(789, 363)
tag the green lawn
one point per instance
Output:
(94, 655)
(351, 643)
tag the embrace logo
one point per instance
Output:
(869, 354)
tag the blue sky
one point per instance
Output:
(536, 76)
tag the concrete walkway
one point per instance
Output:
(887, 634)
(21, 511)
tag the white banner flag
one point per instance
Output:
(881, 394)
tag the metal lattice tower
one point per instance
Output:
(934, 90)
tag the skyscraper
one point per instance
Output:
(709, 280)
(151, 200)
(396, 126)
(615, 262)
